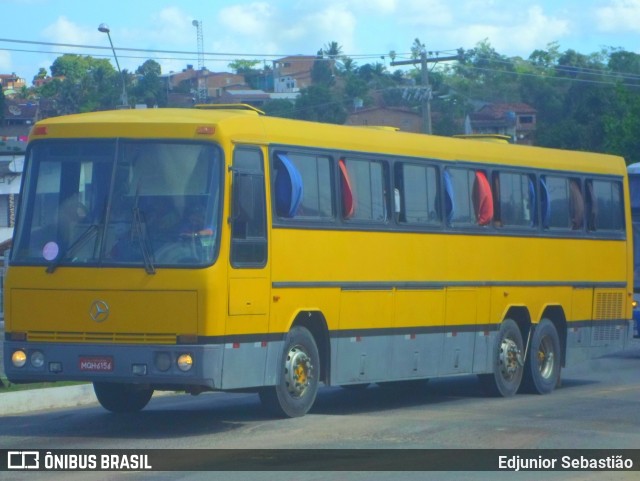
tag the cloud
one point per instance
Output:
(251, 19)
(333, 23)
(511, 32)
(65, 31)
(619, 15)
(379, 7)
(170, 28)
(426, 13)
(268, 31)
(172, 24)
(5, 61)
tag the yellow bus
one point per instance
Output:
(221, 249)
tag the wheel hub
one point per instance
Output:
(298, 371)
(510, 357)
(546, 358)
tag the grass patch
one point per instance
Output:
(11, 387)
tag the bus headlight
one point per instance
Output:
(185, 362)
(19, 358)
(37, 359)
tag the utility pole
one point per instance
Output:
(424, 75)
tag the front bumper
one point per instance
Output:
(140, 364)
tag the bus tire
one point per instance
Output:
(298, 376)
(507, 362)
(542, 367)
(122, 398)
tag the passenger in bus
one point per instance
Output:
(194, 223)
(576, 205)
(71, 214)
(592, 207)
(162, 217)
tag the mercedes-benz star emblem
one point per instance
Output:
(99, 311)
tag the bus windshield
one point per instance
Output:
(115, 203)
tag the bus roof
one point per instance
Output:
(245, 125)
(634, 168)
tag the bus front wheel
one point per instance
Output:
(122, 398)
(299, 372)
(542, 369)
(508, 363)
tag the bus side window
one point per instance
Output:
(365, 189)
(545, 204)
(533, 201)
(288, 187)
(449, 205)
(463, 190)
(497, 199)
(348, 200)
(608, 209)
(576, 204)
(482, 199)
(416, 187)
(591, 205)
(303, 186)
(565, 201)
(514, 199)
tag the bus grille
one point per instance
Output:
(608, 306)
(101, 337)
(603, 334)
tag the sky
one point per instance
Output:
(366, 30)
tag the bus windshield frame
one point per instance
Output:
(120, 203)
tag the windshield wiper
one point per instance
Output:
(139, 233)
(75, 245)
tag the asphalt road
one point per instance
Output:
(596, 407)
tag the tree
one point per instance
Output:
(41, 75)
(546, 59)
(318, 103)
(321, 71)
(149, 88)
(84, 84)
(280, 108)
(240, 66)
(622, 124)
(417, 48)
(255, 78)
(332, 50)
(483, 73)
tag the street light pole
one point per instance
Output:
(104, 28)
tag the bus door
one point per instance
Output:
(249, 287)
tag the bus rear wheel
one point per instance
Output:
(122, 398)
(542, 369)
(507, 362)
(298, 376)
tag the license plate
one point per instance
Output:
(96, 363)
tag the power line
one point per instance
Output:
(546, 77)
(231, 56)
(183, 52)
(561, 68)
